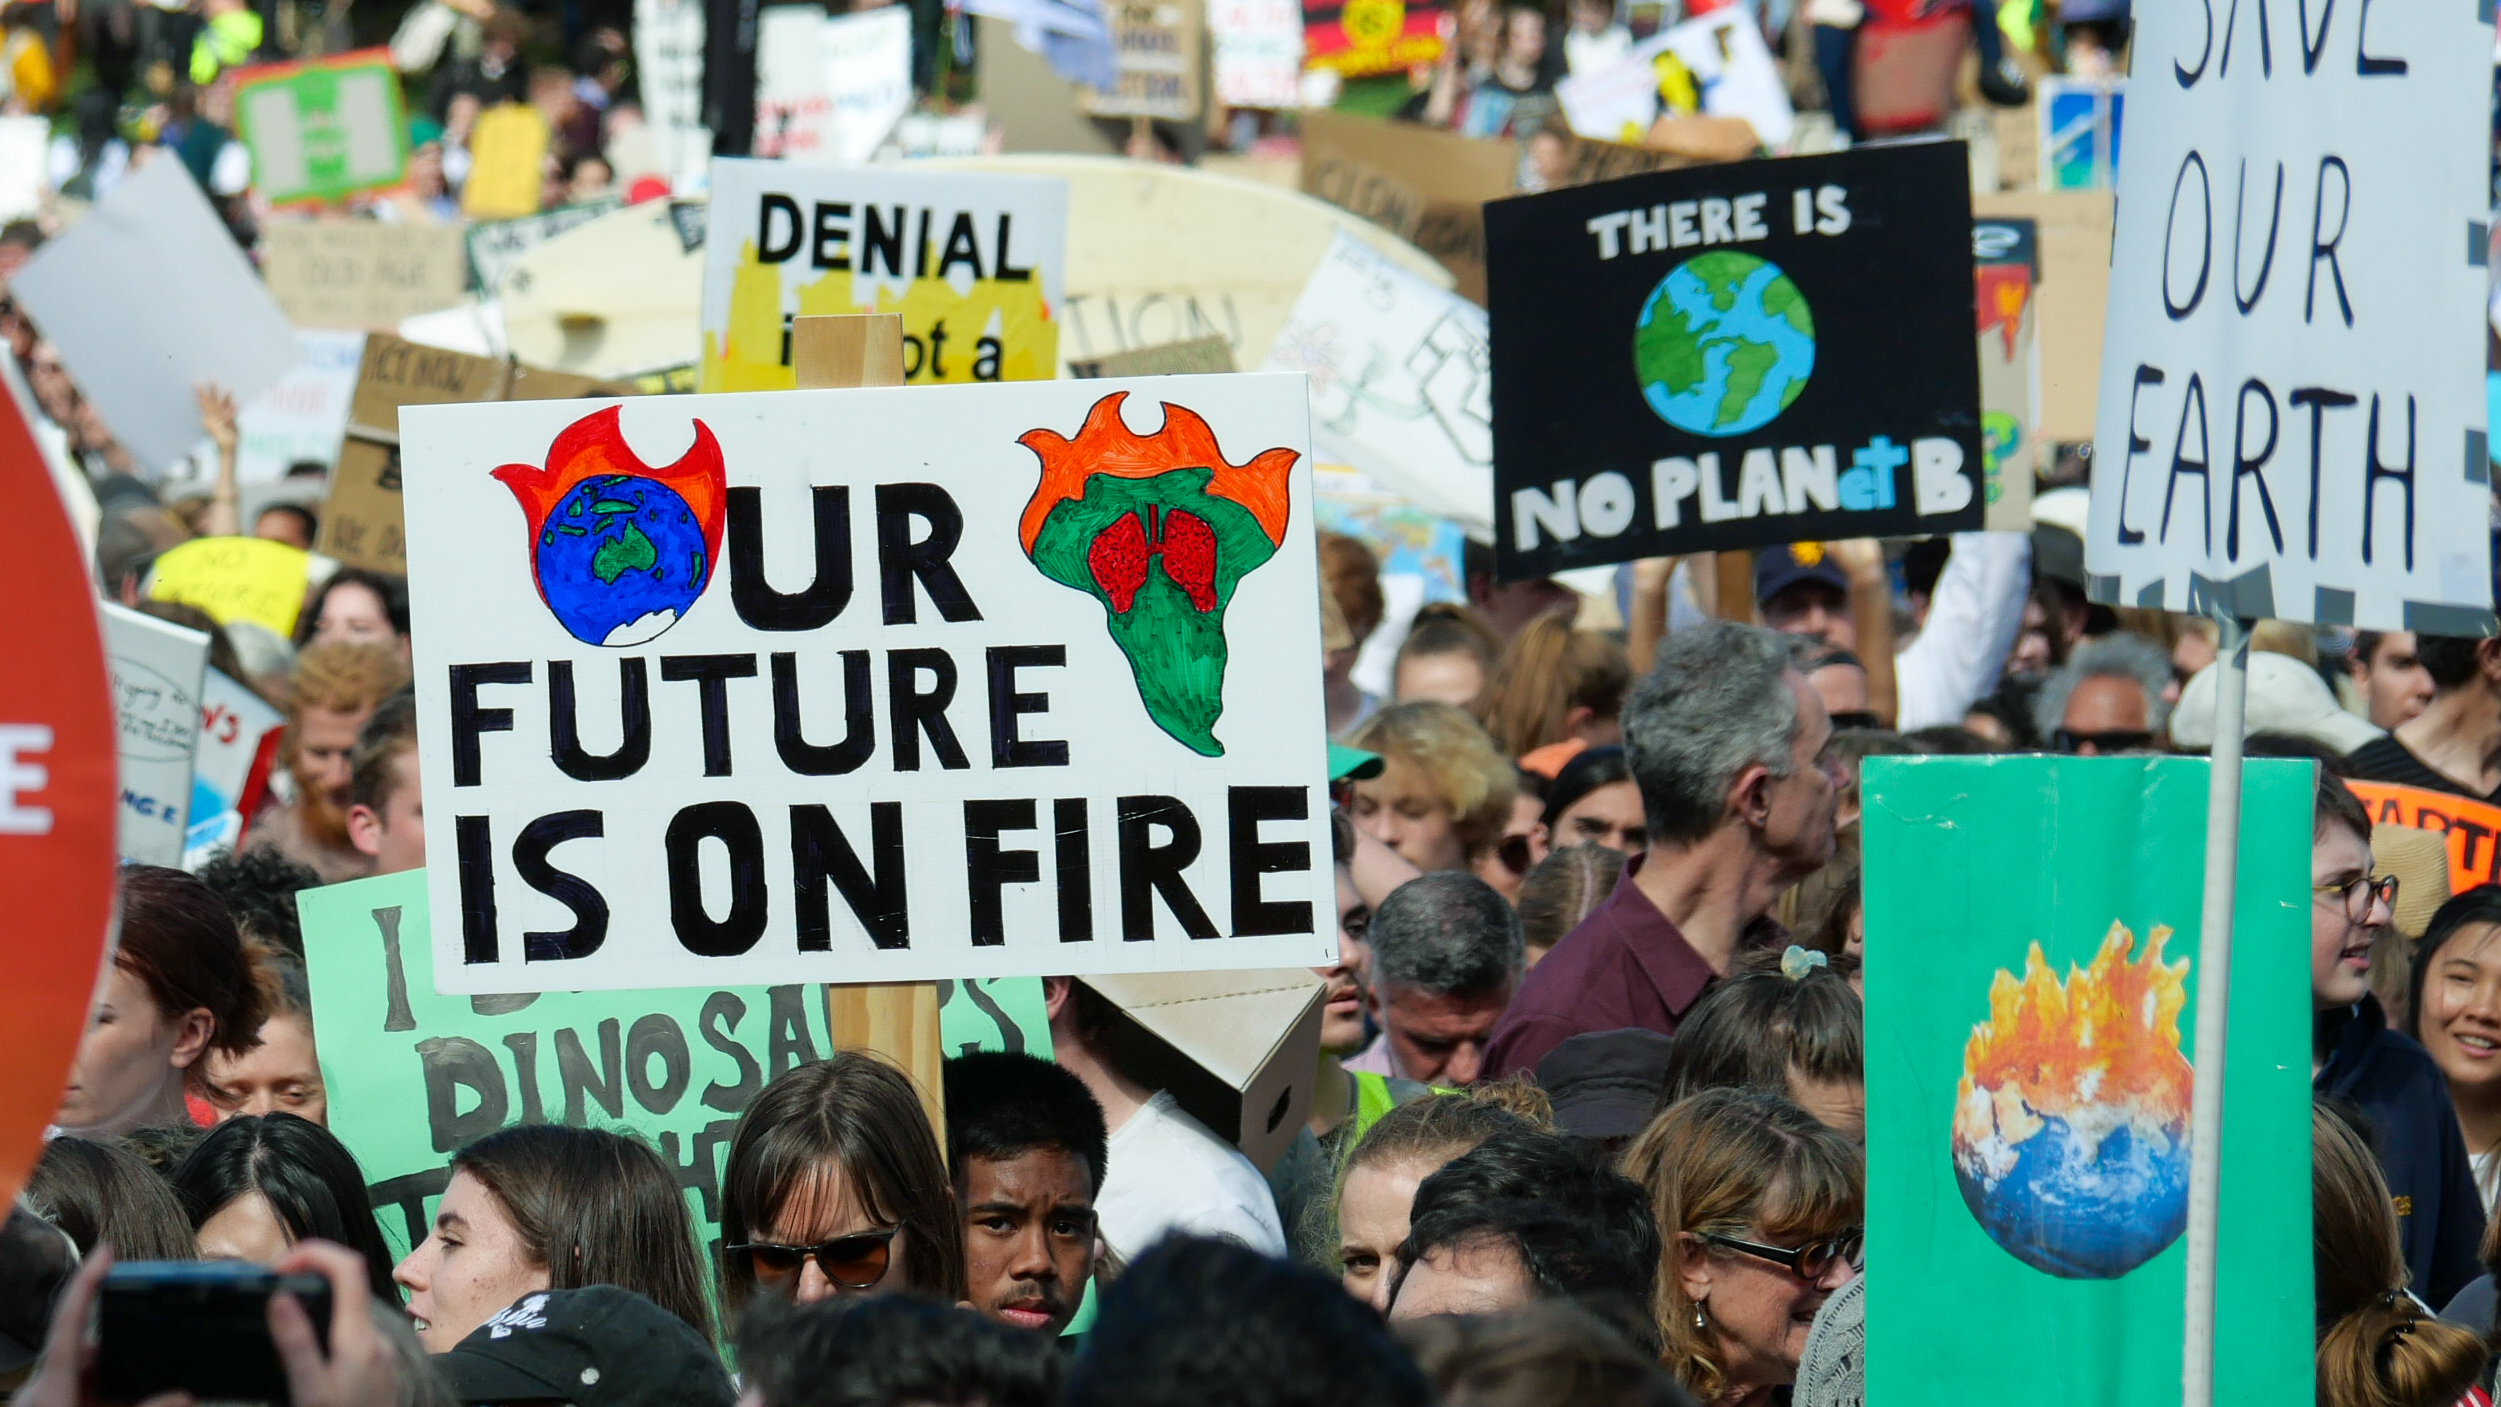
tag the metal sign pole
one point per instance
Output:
(2214, 963)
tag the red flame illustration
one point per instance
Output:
(594, 446)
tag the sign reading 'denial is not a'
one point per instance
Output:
(1728, 356)
(2291, 420)
(869, 685)
(971, 261)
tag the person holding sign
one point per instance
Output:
(835, 1186)
(179, 987)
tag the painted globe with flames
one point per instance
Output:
(2070, 1137)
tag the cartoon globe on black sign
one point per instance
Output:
(1723, 344)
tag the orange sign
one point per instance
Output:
(2474, 827)
(57, 799)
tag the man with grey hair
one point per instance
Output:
(2107, 698)
(1731, 749)
(1446, 954)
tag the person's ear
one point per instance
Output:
(1693, 1269)
(193, 1030)
(1750, 794)
(1577, 717)
(364, 830)
(2488, 658)
(1055, 997)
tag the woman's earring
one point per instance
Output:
(1700, 1324)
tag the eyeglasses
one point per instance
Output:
(1811, 1261)
(853, 1262)
(2109, 740)
(2360, 892)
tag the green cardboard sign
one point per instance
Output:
(325, 129)
(993, 1013)
(2031, 985)
(413, 1076)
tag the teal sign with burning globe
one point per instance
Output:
(1724, 343)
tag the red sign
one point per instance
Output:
(2474, 827)
(1362, 37)
(57, 797)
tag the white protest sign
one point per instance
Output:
(303, 414)
(868, 75)
(668, 63)
(495, 246)
(23, 141)
(1257, 52)
(791, 104)
(1400, 383)
(156, 669)
(237, 730)
(1003, 681)
(1716, 63)
(146, 297)
(2291, 419)
(971, 262)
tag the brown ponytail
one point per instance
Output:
(2377, 1346)
(1546, 671)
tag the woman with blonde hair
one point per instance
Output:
(1377, 1180)
(1759, 1210)
(1554, 684)
(1444, 792)
(2378, 1346)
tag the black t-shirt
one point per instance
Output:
(2384, 759)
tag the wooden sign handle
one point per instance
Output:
(898, 1020)
(1734, 574)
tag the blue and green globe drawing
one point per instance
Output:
(1723, 344)
(620, 559)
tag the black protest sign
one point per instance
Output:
(1729, 356)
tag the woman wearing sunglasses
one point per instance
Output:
(1759, 1210)
(546, 1207)
(835, 1187)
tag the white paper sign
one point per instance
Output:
(23, 141)
(1722, 55)
(2291, 417)
(147, 296)
(868, 75)
(302, 416)
(1258, 52)
(235, 726)
(156, 669)
(668, 61)
(1401, 387)
(497, 245)
(1002, 681)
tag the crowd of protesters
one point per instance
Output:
(1588, 1121)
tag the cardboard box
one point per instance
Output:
(1238, 1050)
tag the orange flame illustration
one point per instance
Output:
(594, 446)
(2004, 289)
(1105, 445)
(2110, 1033)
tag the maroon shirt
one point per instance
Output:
(1625, 965)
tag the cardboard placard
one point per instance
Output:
(362, 273)
(1358, 38)
(563, 562)
(156, 669)
(323, 129)
(507, 158)
(1257, 52)
(1710, 359)
(360, 524)
(1238, 1050)
(1156, 46)
(413, 1076)
(973, 264)
(2006, 255)
(495, 246)
(1714, 63)
(186, 308)
(2073, 232)
(1401, 381)
(616, 297)
(1421, 184)
(58, 797)
(1198, 356)
(2291, 420)
(2473, 828)
(1557, 159)
(2066, 1007)
(234, 579)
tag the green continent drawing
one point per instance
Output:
(1163, 556)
